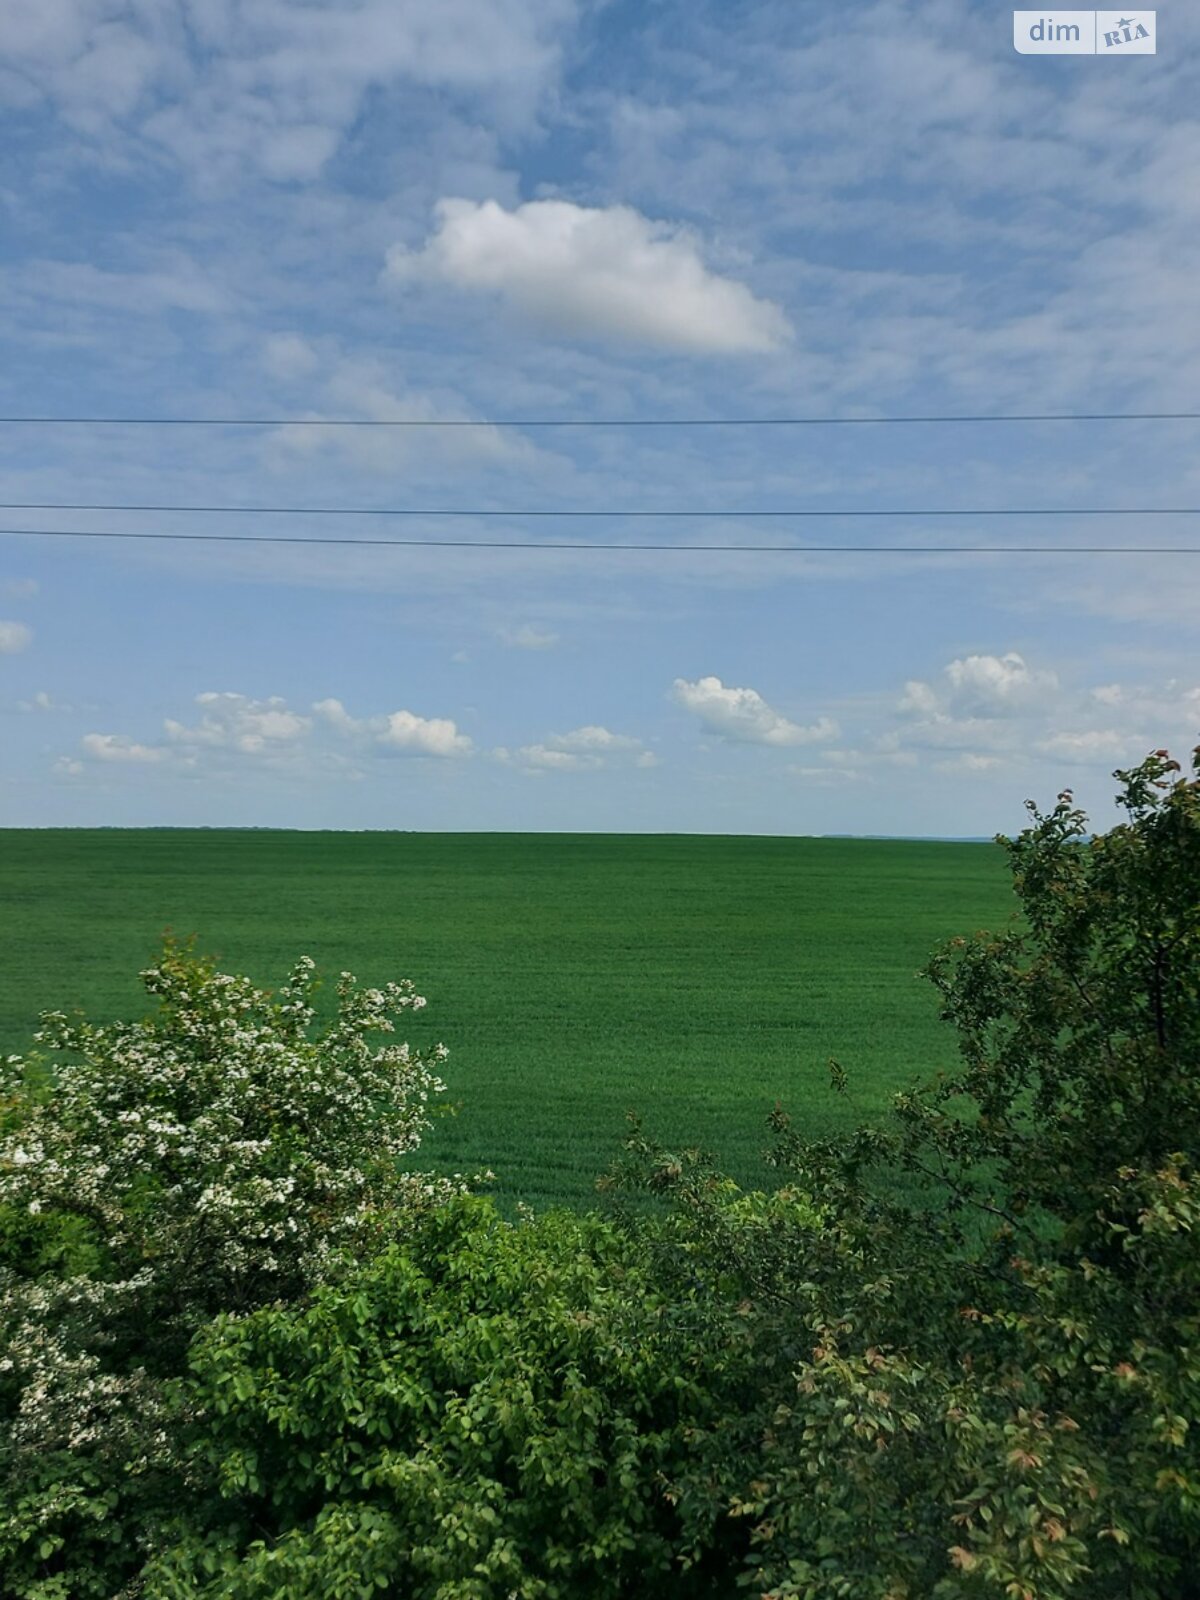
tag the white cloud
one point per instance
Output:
(42, 701)
(529, 638)
(116, 747)
(366, 388)
(996, 685)
(335, 714)
(235, 729)
(593, 738)
(396, 732)
(274, 84)
(742, 715)
(981, 686)
(19, 588)
(408, 734)
(236, 722)
(14, 637)
(580, 270)
(544, 756)
(994, 711)
(919, 699)
(585, 749)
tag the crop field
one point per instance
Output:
(697, 980)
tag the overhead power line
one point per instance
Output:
(594, 422)
(534, 544)
(523, 514)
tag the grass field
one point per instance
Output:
(695, 979)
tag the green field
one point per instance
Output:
(695, 979)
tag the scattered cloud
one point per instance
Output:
(19, 588)
(586, 749)
(14, 637)
(235, 729)
(407, 734)
(981, 686)
(42, 701)
(115, 747)
(529, 638)
(397, 732)
(995, 711)
(744, 717)
(366, 388)
(606, 271)
(236, 722)
(272, 86)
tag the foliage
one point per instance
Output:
(485, 1410)
(953, 1411)
(1080, 1032)
(213, 1157)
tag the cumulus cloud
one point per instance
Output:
(992, 711)
(14, 637)
(981, 686)
(744, 717)
(115, 747)
(585, 749)
(236, 729)
(408, 734)
(236, 722)
(606, 271)
(1121, 723)
(397, 732)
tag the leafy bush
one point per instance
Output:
(486, 1409)
(213, 1157)
(953, 1411)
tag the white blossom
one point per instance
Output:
(224, 1154)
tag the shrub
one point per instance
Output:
(947, 1410)
(486, 1409)
(213, 1157)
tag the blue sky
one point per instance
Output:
(478, 209)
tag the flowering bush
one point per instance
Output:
(217, 1156)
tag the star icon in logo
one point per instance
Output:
(1125, 22)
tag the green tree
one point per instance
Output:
(993, 1391)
